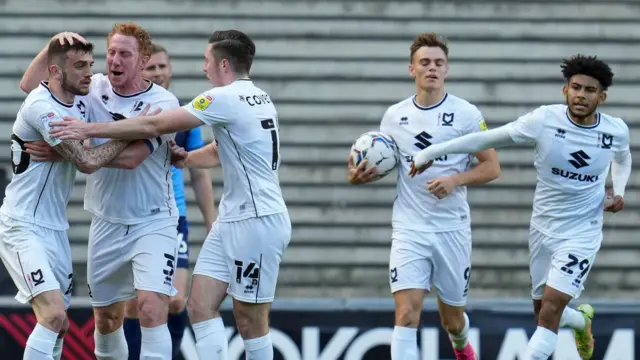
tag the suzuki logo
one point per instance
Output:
(579, 158)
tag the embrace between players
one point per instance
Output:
(133, 241)
(431, 238)
(133, 232)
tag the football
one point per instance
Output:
(378, 149)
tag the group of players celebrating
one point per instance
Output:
(119, 128)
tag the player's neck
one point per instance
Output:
(132, 87)
(429, 98)
(60, 94)
(584, 121)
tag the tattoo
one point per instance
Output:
(89, 160)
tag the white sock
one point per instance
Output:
(404, 343)
(156, 343)
(460, 341)
(572, 318)
(542, 344)
(57, 350)
(40, 344)
(111, 346)
(211, 339)
(259, 348)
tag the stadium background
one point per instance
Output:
(332, 68)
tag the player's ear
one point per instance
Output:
(143, 62)
(602, 97)
(565, 90)
(412, 71)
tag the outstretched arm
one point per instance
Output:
(141, 127)
(471, 143)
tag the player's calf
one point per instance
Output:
(405, 333)
(110, 342)
(203, 307)
(50, 314)
(543, 342)
(252, 321)
(456, 323)
(153, 310)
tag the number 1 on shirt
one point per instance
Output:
(270, 124)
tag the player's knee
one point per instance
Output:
(199, 309)
(54, 318)
(177, 304)
(108, 320)
(152, 308)
(251, 320)
(550, 312)
(453, 324)
(407, 315)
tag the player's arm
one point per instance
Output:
(620, 173)
(89, 160)
(133, 155)
(524, 130)
(37, 70)
(201, 110)
(488, 169)
(201, 180)
(203, 158)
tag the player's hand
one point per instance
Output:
(359, 175)
(145, 111)
(69, 129)
(417, 171)
(42, 151)
(69, 37)
(617, 204)
(178, 155)
(443, 186)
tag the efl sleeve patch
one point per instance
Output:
(201, 102)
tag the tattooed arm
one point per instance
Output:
(90, 160)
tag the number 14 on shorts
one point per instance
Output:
(251, 271)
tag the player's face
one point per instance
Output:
(158, 69)
(124, 62)
(76, 76)
(583, 94)
(212, 68)
(429, 68)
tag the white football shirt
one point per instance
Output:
(131, 196)
(572, 163)
(39, 191)
(414, 128)
(245, 126)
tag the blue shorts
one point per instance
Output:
(183, 236)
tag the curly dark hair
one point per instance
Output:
(590, 66)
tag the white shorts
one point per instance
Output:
(126, 258)
(442, 258)
(562, 264)
(246, 254)
(37, 258)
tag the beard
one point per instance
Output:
(68, 87)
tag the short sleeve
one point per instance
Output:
(210, 108)
(528, 127)
(477, 122)
(385, 123)
(194, 139)
(40, 115)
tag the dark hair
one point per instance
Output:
(589, 66)
(236, 36)
(57, 54)
(428, 40)
(236, 53)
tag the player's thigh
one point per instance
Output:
(255, 248)
(571, 262)
(452, 266)
(154, 258)
(131, 309)
(109, 273)
(539, 262)
(30, 255)
(410, 264)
